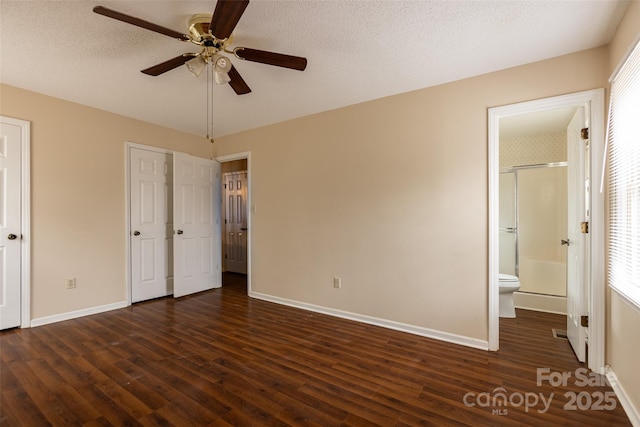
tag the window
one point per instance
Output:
(624, 179)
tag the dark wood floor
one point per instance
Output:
(221, 359)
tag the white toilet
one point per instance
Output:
(508, 285)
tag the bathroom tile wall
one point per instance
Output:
(533, 149)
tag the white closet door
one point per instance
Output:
(197, 237)
(10, 225)
(151, 224)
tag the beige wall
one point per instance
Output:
(623, 345)
(626, 33)
(78, 197)
(391, 195)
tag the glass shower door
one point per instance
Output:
(508, 224)
(542, 222)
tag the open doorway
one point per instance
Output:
(591, 302)
(533, 199)
(235, 221)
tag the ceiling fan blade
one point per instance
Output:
(237, 83)
(226, 16)
(101, 10)
(271, 58)
(165, 66)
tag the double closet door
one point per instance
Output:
(175, 236)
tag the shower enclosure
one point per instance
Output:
(533, 221)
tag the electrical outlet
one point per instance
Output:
(337, 282)
(71, 283)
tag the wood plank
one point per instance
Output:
(220, 358)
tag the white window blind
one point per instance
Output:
(624, 179)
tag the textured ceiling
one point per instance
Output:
(357, 51)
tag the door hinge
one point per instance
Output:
(584, 133)
(584, 227)
(225, 186)
(584, 321)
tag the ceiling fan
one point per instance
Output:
(213, 34)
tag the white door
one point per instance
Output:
(197, 242)
(10, 225)
(577, 260)
(235, 222)
(151, 185)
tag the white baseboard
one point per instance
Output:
(78, 313)
(403, 327)
(538, 302)
(632, 412)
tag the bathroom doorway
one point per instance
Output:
(541, 165)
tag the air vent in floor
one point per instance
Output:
(559, 333)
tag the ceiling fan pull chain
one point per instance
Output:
(208, 100)
(210, 78)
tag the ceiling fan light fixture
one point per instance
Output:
(221, 68)
(221, 78)
(221, 64)
(196, 65)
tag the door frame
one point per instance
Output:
(249, 204)
(25, 218)
(596, 290)
(127, 204)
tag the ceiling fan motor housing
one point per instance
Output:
(199, 28)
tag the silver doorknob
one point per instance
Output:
(136, 233)
(12, 237)
(179, 232)
(564, 242)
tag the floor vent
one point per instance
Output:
(559, 333)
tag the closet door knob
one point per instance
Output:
(12, 237)
(136, 233)
(179, 232)
(564, 242)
